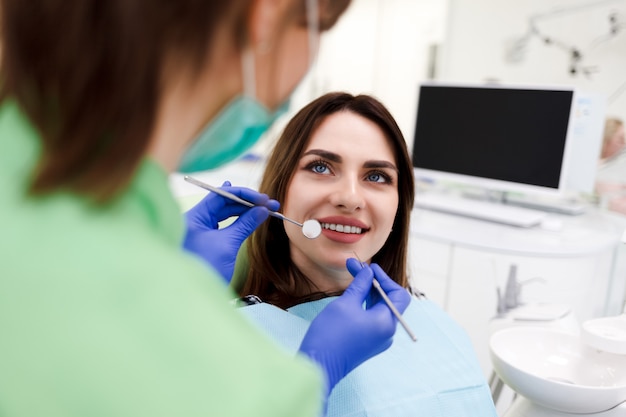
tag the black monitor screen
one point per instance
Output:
(515, 135)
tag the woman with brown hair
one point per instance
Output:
(343, 161)
(273, 276)
(102, 311)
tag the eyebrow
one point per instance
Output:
(331, 156)
(380, 164)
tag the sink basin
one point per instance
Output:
(606, 333)
(557, 370)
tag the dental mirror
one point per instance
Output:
(311, 228)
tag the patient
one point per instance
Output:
(343, 161)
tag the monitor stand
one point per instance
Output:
(498, 206)
(565, 206)
(479, 208)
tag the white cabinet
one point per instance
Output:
(460, 262)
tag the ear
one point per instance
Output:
(264, 22)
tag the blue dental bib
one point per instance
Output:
(437, 376)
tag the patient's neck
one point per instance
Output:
(327, 278)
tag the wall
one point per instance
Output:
(385, 48)
(379, 47)
(491, 39)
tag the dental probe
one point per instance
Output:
(311, 228)
(393, 308)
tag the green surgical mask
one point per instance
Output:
(234, 130)
(244, 120)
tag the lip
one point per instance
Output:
(341, 237)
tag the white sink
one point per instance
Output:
(607, 334)
(557, 370)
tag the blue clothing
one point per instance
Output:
(437, 376)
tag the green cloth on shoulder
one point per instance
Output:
(103, 314)
(242, 265)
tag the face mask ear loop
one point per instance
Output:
(312, 17)
(248, 71)
(313, 23)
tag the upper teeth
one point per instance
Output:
(344, 228)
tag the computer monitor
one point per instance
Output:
(504, 138)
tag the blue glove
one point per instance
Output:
(345, 334)
(219, 247)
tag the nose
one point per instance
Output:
(348, 195)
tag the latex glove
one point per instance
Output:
(345, 334)
(219, 247)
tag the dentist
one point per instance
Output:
(102, 311)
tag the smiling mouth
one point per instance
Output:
(343, 228)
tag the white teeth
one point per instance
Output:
(342, 228)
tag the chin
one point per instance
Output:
(338, 266)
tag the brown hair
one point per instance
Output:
(87, 73)
(272, 275)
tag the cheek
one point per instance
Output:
(294, 233)
(302, 196)
(386, 210)
(391, 219)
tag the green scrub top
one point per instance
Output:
(103, 314)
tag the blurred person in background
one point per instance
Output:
(611, 175)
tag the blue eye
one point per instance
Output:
(319, 167)
(374, 177)
(378, 177)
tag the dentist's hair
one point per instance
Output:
(89, 75)
(272, 275)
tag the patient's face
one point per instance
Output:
(347, 180)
